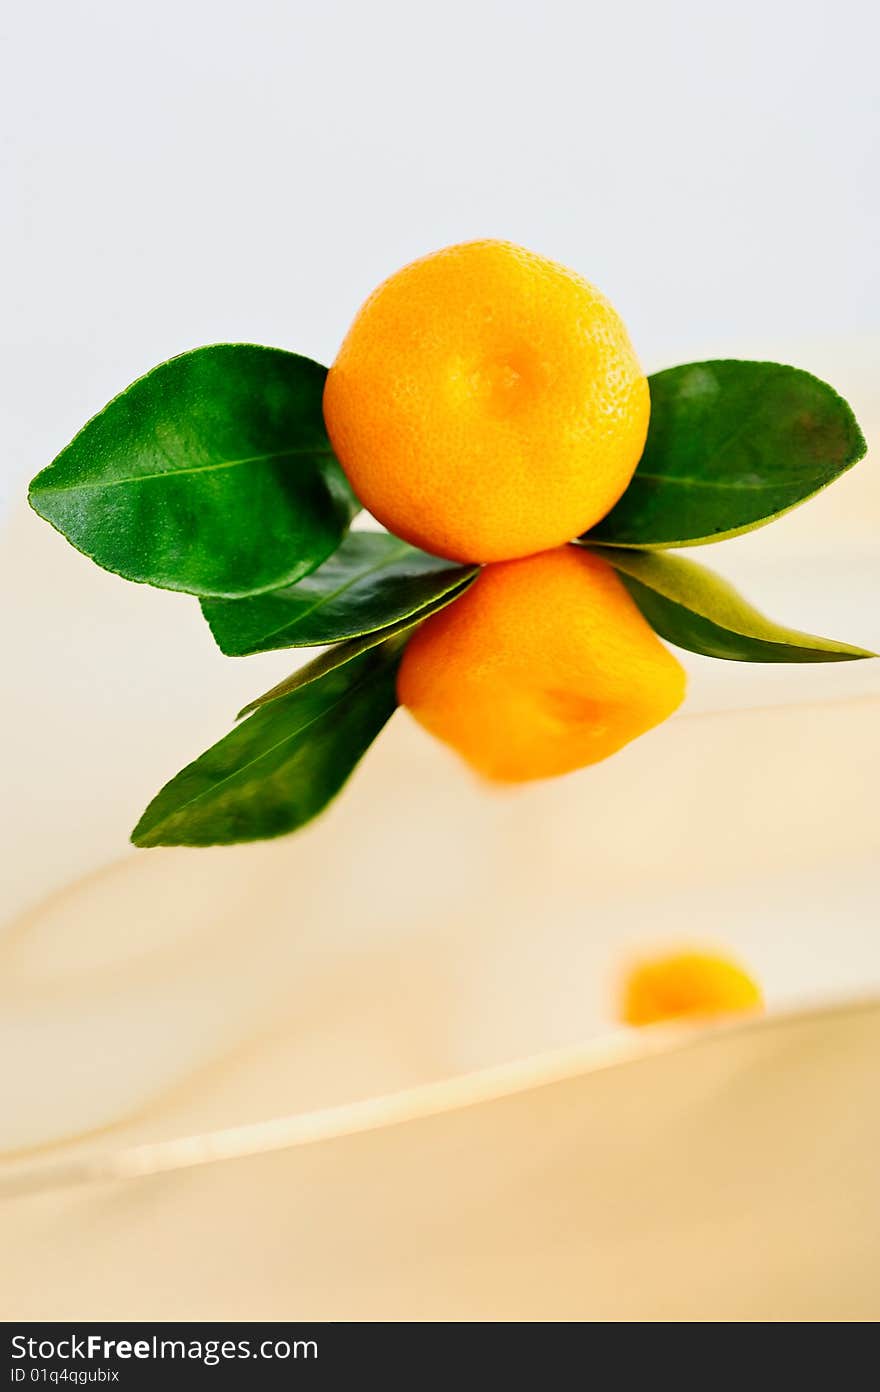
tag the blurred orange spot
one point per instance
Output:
(685, 984)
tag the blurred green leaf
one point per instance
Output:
(731, 445)
(212, 474)
(281, 767)
(692, 607)
(370, 582)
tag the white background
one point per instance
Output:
(181, 173)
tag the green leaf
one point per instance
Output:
(281, 767)
(731, 445)
(212, 474)
(692, 607)
(341, 653)
(369, 583)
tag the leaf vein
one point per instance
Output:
(251, 763)
(742, 486)
(179, 473)
(334, 594)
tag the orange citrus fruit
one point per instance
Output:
(487, 403)
(687, 983)
(542, 666)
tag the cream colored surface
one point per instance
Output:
(734, 1179)
(423, 929)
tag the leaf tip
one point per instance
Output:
(145, 831)
(860, 444)
(33, 494)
